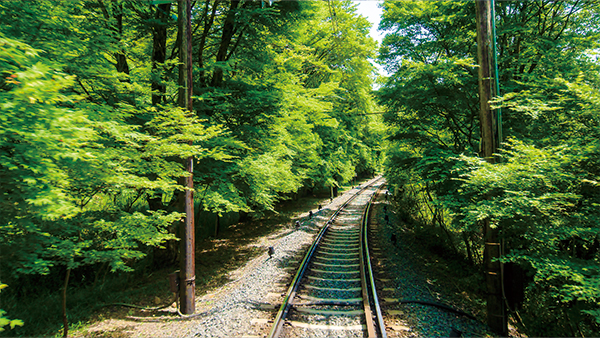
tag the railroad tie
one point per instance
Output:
(329, 312)
(325, 327)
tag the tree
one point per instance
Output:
(266, 96)
(92, 138)
(532, 193)
(60, 165)
(4, 321)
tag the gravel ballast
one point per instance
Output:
(243, 310)
(405, 281)
(247, 305)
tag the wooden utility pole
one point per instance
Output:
(187, 278)
(496, 310)
(486, 78)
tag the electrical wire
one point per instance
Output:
(499, 136)
(175, 299)
(496, 76)
(439, 305)
(179, 311)
(141, 307)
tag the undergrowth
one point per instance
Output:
(90, 293)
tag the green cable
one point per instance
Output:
(499, 116)
(496, 75)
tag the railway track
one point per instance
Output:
(333, 290)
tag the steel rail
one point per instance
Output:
(369, 269)
(293, 288)
(371, 331)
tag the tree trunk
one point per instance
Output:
(208, 22)
(159, 52)
(440, 220)
(122, 66)
(226, 37)
(468, 247)
(159, 55)
(64, 305)
(216, 225)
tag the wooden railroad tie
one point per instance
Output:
(361, 327)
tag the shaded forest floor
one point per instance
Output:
(217, 261)
(419, 268)
(89, 301)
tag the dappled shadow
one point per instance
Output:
(118, 332)
(216, 259)
(281, 234)
(239, 243)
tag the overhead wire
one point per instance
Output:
(496, 76)
(499, 140)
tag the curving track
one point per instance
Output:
(333, 292)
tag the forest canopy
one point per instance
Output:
(93, 136)
(542, 194)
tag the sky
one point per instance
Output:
(370, 9)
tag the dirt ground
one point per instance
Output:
(220, 263)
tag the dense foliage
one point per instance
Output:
(5, 321)
(543, 194)
(91, 136)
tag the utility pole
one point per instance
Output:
(486, 78)
(496, 309)
(187, 278)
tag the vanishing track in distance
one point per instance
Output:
(333, 289)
